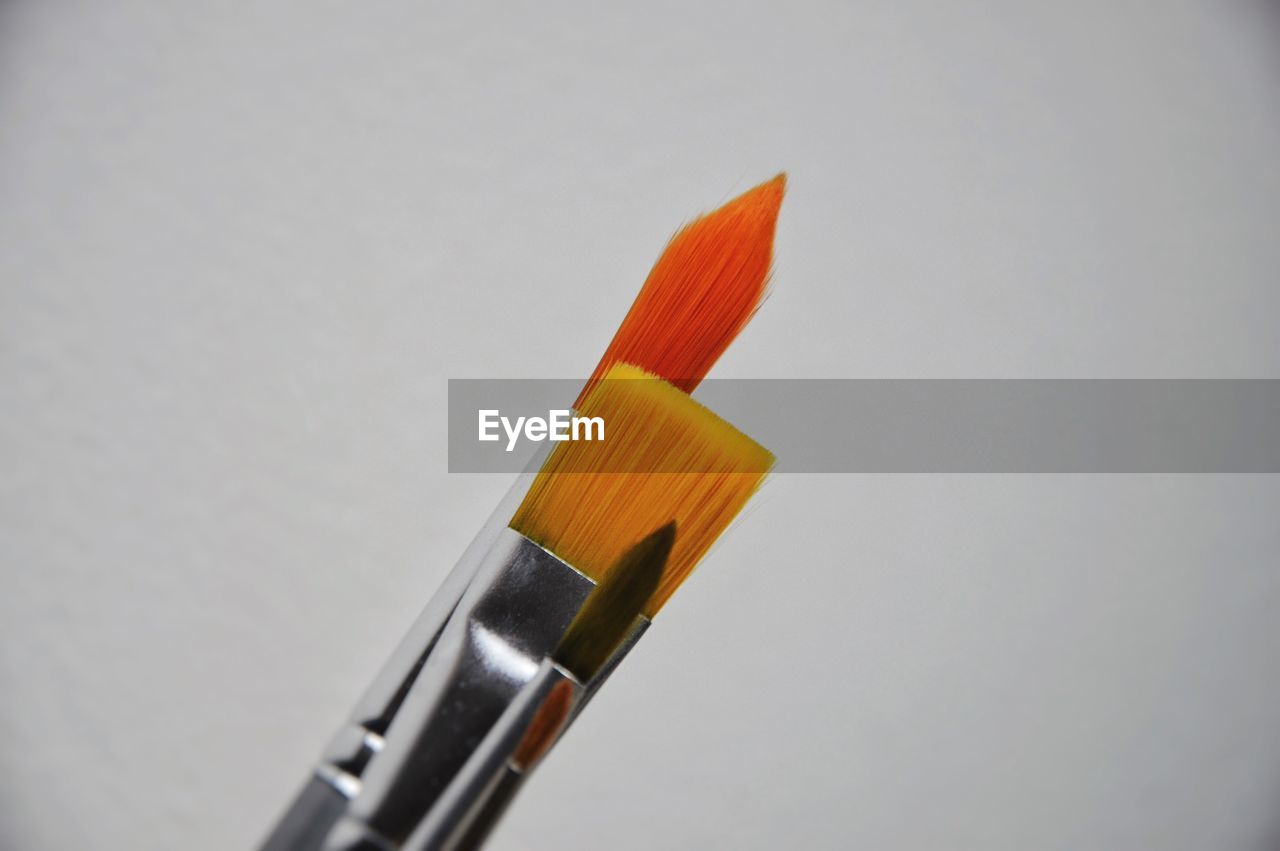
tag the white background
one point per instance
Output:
(242, 246)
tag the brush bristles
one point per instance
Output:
(702, 291)
(664, 458)
(610, 610)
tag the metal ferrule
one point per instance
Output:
(511, 616)
(380, 701)
(450, 698)
(458, 808)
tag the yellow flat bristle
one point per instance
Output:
(664, 458)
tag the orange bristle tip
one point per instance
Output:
(702, 291)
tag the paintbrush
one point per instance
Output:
(705, 287)
(667, 459)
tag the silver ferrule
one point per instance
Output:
(454, 678)
(458, 808)
(380, 701)
(509, 618)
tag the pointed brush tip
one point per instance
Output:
(771, 191)
(664, 539)
(758, 206)
(648, 559)
(701, 292)
(764, 197)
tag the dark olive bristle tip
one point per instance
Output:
(653, 549)
(663, 539)
(609, 612)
